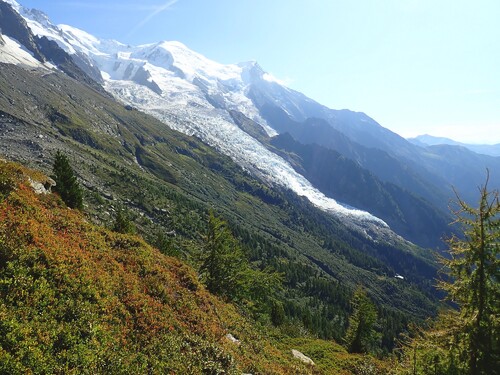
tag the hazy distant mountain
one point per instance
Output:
(429, 140)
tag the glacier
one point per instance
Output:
(192, 94)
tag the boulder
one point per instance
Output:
(42, 188)
(233, 339)
(302, 357)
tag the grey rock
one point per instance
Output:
(233, 339)
(302, 357)
(38, 187)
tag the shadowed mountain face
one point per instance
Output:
(13, 25)
(44, 50)
(432, 173)
(345, 180)
(382, 164)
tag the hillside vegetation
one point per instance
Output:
(78, 298)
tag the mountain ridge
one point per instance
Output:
(426, 140)
(197, 99)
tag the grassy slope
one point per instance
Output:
(169, 181)
(77, 298)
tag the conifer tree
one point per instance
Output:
(226, 271)
(223, 261)
(277, 313)
(122, 223)
(466, 340)
(361, 336)
(474, 284)
(66, 183)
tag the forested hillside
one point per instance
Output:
(167, 182)
(78, 298)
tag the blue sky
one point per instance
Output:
(415, 66)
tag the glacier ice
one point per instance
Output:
(186, 79)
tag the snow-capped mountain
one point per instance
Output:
(194, 95)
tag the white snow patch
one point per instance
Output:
(12, 52)
(13, 3)
(270, 78)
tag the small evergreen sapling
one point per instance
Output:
(67, 185)
(122, 223)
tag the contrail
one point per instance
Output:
(107, 6)
(150, 16)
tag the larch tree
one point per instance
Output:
(223, 260)
(465, 338)
(226, 272)
(361, 336)
(473, 283)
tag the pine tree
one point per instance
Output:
(361, 336)
(66, 183)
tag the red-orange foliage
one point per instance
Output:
(86, 297)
